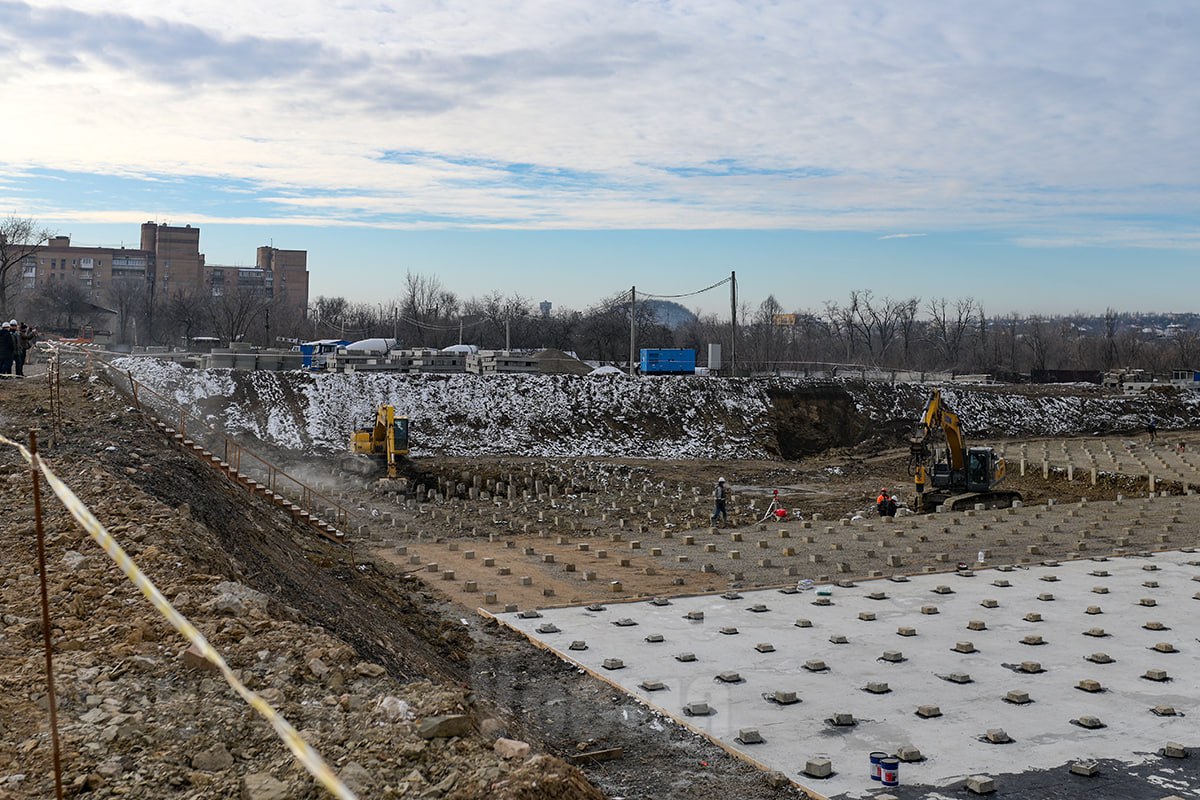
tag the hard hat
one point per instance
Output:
(720, 480)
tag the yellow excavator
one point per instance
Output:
(386, 441)
(958, 477)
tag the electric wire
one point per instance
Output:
(721, 282)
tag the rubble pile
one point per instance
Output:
(142, 716)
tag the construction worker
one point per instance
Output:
(9, 342)
(720, 493)
(881, 502)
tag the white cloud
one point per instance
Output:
(902, 236)
(861, 115)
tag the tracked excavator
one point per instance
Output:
(948, 473)
(386, 442)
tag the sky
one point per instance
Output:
(1039, 157)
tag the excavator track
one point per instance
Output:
(969, 500)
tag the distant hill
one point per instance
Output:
(670, 314)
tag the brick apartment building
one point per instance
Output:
(168, 260)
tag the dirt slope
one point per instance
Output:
(325, 642)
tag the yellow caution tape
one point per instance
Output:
(304, 752)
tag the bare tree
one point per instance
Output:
(188, 312)
(906, 324)
(949, 325)
(877, 321)
(1187, 346)
(839, 323)
(427, 306)
(1037, 339)
(236, 309)
(502, 316)
(764, 335)
(19, 240)
(1110, 338)
(65, 306)
(127, 296)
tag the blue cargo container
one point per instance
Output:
(659, 361)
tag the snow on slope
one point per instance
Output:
(535, 415)
(573, 416)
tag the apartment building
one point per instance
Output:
(168, 260)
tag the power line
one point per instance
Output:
(721, 282)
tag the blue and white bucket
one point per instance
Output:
(876, 757)
(889, 771)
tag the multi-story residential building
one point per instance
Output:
(168, 260)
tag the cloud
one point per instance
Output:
(808, 115)
(902, 236)
(158, 51)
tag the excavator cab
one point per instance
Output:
(981, 469)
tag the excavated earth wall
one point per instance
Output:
(680, 417)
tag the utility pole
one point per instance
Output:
(395, 328)
(507, 340)
(460, 327)
(733, 323)
(632, 326)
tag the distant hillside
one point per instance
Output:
(670, 314)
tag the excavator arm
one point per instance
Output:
(938, 417)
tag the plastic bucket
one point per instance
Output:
(876, 757)
(889, 771)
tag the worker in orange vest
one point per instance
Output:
(881, 502)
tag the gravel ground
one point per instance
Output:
(328, 639)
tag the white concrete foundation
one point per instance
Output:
(930, 670)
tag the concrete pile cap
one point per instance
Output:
(1175, 750)
(981, 784)
(997, 736)
(1089, 722)
(749, 736)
